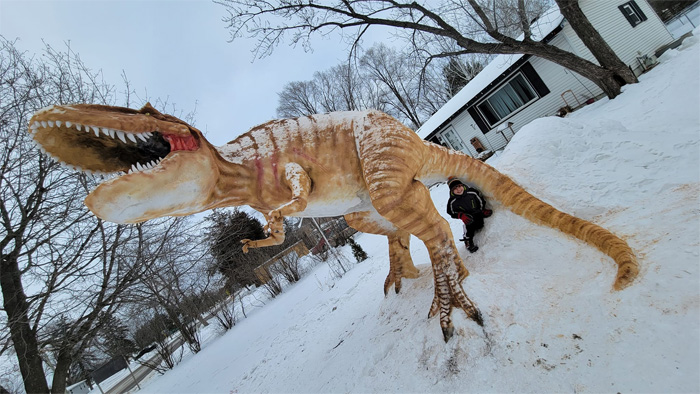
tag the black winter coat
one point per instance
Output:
(470, 202)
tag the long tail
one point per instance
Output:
(442, 162)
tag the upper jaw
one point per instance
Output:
(113, 139)
(103, 139)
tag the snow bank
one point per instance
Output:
(551, 321)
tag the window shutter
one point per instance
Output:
(638, 11)
(630, 18)
(632, 13)
(477, 118)
(535, 80)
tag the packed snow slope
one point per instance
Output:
(551, 321)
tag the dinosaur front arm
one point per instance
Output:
(299, 182)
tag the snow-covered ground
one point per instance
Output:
(551, 320)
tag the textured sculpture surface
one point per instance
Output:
(364, 165)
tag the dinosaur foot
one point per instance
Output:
(398, 272)
(449, 293)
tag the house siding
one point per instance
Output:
(558, 79)
(624, 39)
(565, 84)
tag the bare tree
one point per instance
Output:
(78, 268)
(84, 293)
(340, 88)
(40, 201)
(175, 276)
(472, 26)
(288, 267)
(155, 333)
(298, 99)
(397, 73)
(396, 82)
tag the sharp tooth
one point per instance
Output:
(79, 126)
(131, 137)
(153, 163)
(35, 125)
(112, 133)
(138, 167)
(121, 136)
(59, 123)
(43, 123)
(105, 131)
(96, 130)
(69, 124)
(133, 168)
(142, 137)
(50, 123)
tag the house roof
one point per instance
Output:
(541, 29)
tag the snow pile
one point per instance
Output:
(551, 321)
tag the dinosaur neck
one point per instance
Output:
(236, 183)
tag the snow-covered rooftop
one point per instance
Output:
(549, 21)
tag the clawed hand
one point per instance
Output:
(246, 244)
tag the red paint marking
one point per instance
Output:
(260, 169)
(298, 152)
(275, 164)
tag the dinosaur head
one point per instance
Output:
(166, 166)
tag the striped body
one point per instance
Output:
(374, 170)
(364, 165)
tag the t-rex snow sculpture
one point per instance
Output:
(364, 165)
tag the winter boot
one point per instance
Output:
(469, 243)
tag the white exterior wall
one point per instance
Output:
(557, 79)
(624, 39)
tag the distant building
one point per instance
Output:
(513, 90)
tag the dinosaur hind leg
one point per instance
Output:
(415, 213)
(391, 156)
(419, 217)
(400, 262)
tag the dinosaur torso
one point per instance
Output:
(323, 145)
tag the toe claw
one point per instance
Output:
(447, 332)
(476, 316)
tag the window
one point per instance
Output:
(633, 13)
(519, 90)
(512, 96)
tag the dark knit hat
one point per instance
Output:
(454, 182)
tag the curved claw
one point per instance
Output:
(447, 332)
(400, 264)
(392, 279)
(274, 215)
(449, 293)
(246, 244)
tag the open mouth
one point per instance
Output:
(104, 150)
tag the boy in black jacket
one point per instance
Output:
(467, 204)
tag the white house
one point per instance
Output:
(513, 90)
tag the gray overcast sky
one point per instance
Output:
(174, 50)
